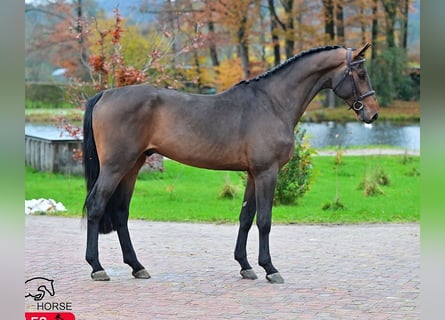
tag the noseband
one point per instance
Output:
(357, 105)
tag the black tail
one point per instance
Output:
(90, 158)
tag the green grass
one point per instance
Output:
(33, 104)
(51, 116)
(184, 193)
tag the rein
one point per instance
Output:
(358, 104)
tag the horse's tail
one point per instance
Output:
(90, 157)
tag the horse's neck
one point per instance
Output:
(297, 85)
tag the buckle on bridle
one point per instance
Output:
(357, 106)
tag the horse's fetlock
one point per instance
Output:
(264, 263)
(240, 257)
(89, 259)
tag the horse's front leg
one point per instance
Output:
(246, 218)
(265, 183)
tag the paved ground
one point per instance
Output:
(331, 272)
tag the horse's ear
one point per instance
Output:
(360, 52)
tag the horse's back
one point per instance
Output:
(219, 131)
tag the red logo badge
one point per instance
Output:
(49, 316)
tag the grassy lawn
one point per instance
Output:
(184, 193)
(52, 116)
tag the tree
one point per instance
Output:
(188, 41)
(274, 32)
(375, 29)
(329, 26)
(57, 30)
(390, 7)
(237, 16)
(340, 22)
(287, 26)
(404, 25)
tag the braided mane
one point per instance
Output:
(289, 62)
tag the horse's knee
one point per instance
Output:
(245, 225)
(264, 226)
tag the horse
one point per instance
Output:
(248, 127)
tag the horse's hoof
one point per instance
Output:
(248, 274)
(100, 275)
(275, 278)
(141, 274)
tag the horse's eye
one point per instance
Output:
(362, 75)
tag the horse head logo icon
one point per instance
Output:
(37, 288)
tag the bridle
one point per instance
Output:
(358, 104)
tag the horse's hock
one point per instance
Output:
(57, 155)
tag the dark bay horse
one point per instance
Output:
(249, 127)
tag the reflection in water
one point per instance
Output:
(320, 135)
(348, 134)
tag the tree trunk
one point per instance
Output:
(273, 32)
(171, 22)
(390, 7)
(405, 26)
(211, 26)
(262, 38)
(340, 21)
(198, 70)
(329, 19)
(83, 50)
(243, 48)
(362, 25)
(288, 8)
(374, 30)
(330, 33)
(212, 48)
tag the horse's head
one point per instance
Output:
(352, 84)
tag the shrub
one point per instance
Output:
(372, 181)
(381, 177)
(229, 190)
(44, 95)
(295, 176)
(335, 205)
(370, 187)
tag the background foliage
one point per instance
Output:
(295, 177)
(199, 44)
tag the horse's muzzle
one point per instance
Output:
(372, 119)
(368, 113)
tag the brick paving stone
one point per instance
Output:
(331, 272)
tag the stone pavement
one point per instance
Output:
(330, 272)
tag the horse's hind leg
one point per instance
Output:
(96, 204)
(246, 219)
(119, 208)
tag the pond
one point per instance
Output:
(350, 134)
(320, 135)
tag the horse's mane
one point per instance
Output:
(288, 62)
